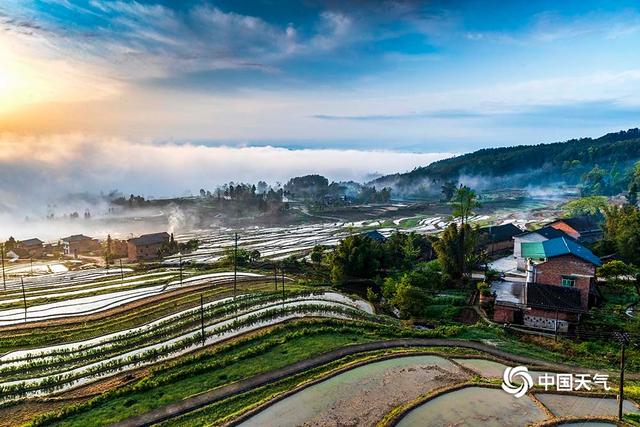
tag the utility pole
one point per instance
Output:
(556, 324)
(283, 297)
(24, 299)
(275, 275)
(4, 280)
(235, 267)
(623, 337)
(202, 317)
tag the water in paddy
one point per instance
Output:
(360, 396)
(486, 368)
(587, 424)
(576, 406)
(491, 369)
(469, 407)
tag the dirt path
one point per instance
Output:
(189, 404)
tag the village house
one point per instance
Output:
(584, 229)
(119, 248)
(375, 235)
(79, 244)
(498, 238)
(30, 248)
(560, 286)
(147, 246)
(540, 235)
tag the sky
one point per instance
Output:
(162, 97)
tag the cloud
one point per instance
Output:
(437, 114)
(35, 170)
(602, 111)
(551, 26)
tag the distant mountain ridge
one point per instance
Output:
(520, 166)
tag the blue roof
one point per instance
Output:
(558, 247)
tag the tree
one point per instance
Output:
(317, 253)
(243, 257)
(622, 232)
(593, 182)
(356, 256)
(455, 253)
(107, 250)
(632, 195)
(254, 255)
(448, 190)
(410, 300)
(618, 273)
(590, 205)
(403, 251)
(464, 202)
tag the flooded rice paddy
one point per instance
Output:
(364, 395)
(578, 406)
(360, 396)
(473, 406)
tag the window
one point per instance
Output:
(568, 281)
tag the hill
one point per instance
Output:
(572, 162)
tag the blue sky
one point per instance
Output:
(418, 69)
(389, 76)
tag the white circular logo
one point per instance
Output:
(518, 390)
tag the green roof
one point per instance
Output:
(558, 247)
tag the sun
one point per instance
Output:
(17, 85)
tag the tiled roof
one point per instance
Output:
(150, 239)
(582, 224)
(499, 233)
(375, 235)
(31, 242)
(553, 297)
(76, 238)
(558, 247)
(548, 232)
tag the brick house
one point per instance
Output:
(584, 229)
(560, 286)
(498, 238)
(79, 244)
(539, 235)
(30, 248)
(146, 247)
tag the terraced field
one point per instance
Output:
(81, 328)
(280, 242)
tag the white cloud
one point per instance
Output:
(34, 169)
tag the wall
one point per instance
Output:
(517, 249)
(551, 272)
(143, 252)
(499, 246)
(503, 314)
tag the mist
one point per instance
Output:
(39, 172)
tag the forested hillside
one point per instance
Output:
(602, 165)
